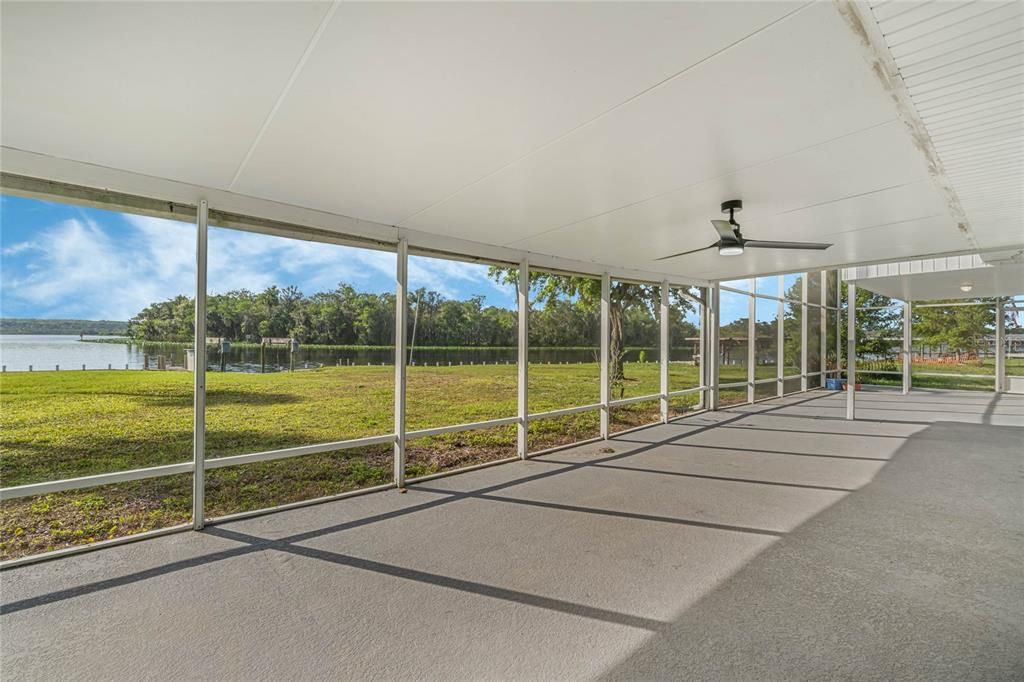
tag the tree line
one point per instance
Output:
(345, 316)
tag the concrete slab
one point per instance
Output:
(771, 541)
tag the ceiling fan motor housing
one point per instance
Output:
(733, 205)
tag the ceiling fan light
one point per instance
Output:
(966, 287)
(730, 250)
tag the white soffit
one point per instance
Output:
(963, 67)
(603, 132)
(937, 279)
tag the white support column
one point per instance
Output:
(780, 356)
(199, 374)
(665, 346)
(523, 357)
(803, 331)
(907, 342)
(714, 357)
(751, 346)
(702, 349)
(823, 323)
(606, 293)
(851, 350)
(401, 342)
(1000, 346)
(839, 326)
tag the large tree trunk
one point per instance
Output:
(616, 349)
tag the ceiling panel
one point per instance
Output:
(401, 105)
(175, 90)
(798, 83)
(811, 195)
(607, 132)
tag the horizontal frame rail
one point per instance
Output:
(563, 412)
(48, 487)
(637, 399)
(284, 453)
(686, 391)
(473, 426)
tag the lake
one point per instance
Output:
(46, 352)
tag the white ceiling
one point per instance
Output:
(598, 132)
(940, 279)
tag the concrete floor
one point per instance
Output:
(772, 541)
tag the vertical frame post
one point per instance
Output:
(714, 305)
(823, 328)
(702, 349)
(839, 326)
(1000, 346)
(199, 373)
(523, 358)
(803, 330)
(780, 331)
(663, 318)
(907, 341)
(851, 350)
(401, 343)
(606, 295)
(751, 344)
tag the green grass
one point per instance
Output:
(920, 371)
(56, 425)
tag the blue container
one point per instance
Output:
(835, 384)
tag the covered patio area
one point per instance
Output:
(769, 541)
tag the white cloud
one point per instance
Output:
(440, 275)
(81, 271)
(15, 249)
(81, 268)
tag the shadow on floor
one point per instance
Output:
(917, 575)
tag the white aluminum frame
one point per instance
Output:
(709, 361)
(907, 352)
(663, 354)
(523, 359)
(1000, 345)
(401, 340)
(199, 372)
(851, 350)
(712, 335)
(606, 286)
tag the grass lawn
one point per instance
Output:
(56, 425)
(920, 371)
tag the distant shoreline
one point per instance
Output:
(22, 326)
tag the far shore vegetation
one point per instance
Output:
(22, 325)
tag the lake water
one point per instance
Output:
(45, 352)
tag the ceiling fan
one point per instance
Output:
(732, 243)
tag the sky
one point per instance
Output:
(65, 261)
(60, 261)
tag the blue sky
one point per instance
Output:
(65, 261)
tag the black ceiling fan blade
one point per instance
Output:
(686, 253)
(725, 229)
(766, 244)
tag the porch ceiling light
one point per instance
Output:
(730, 250)
(966, 287)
